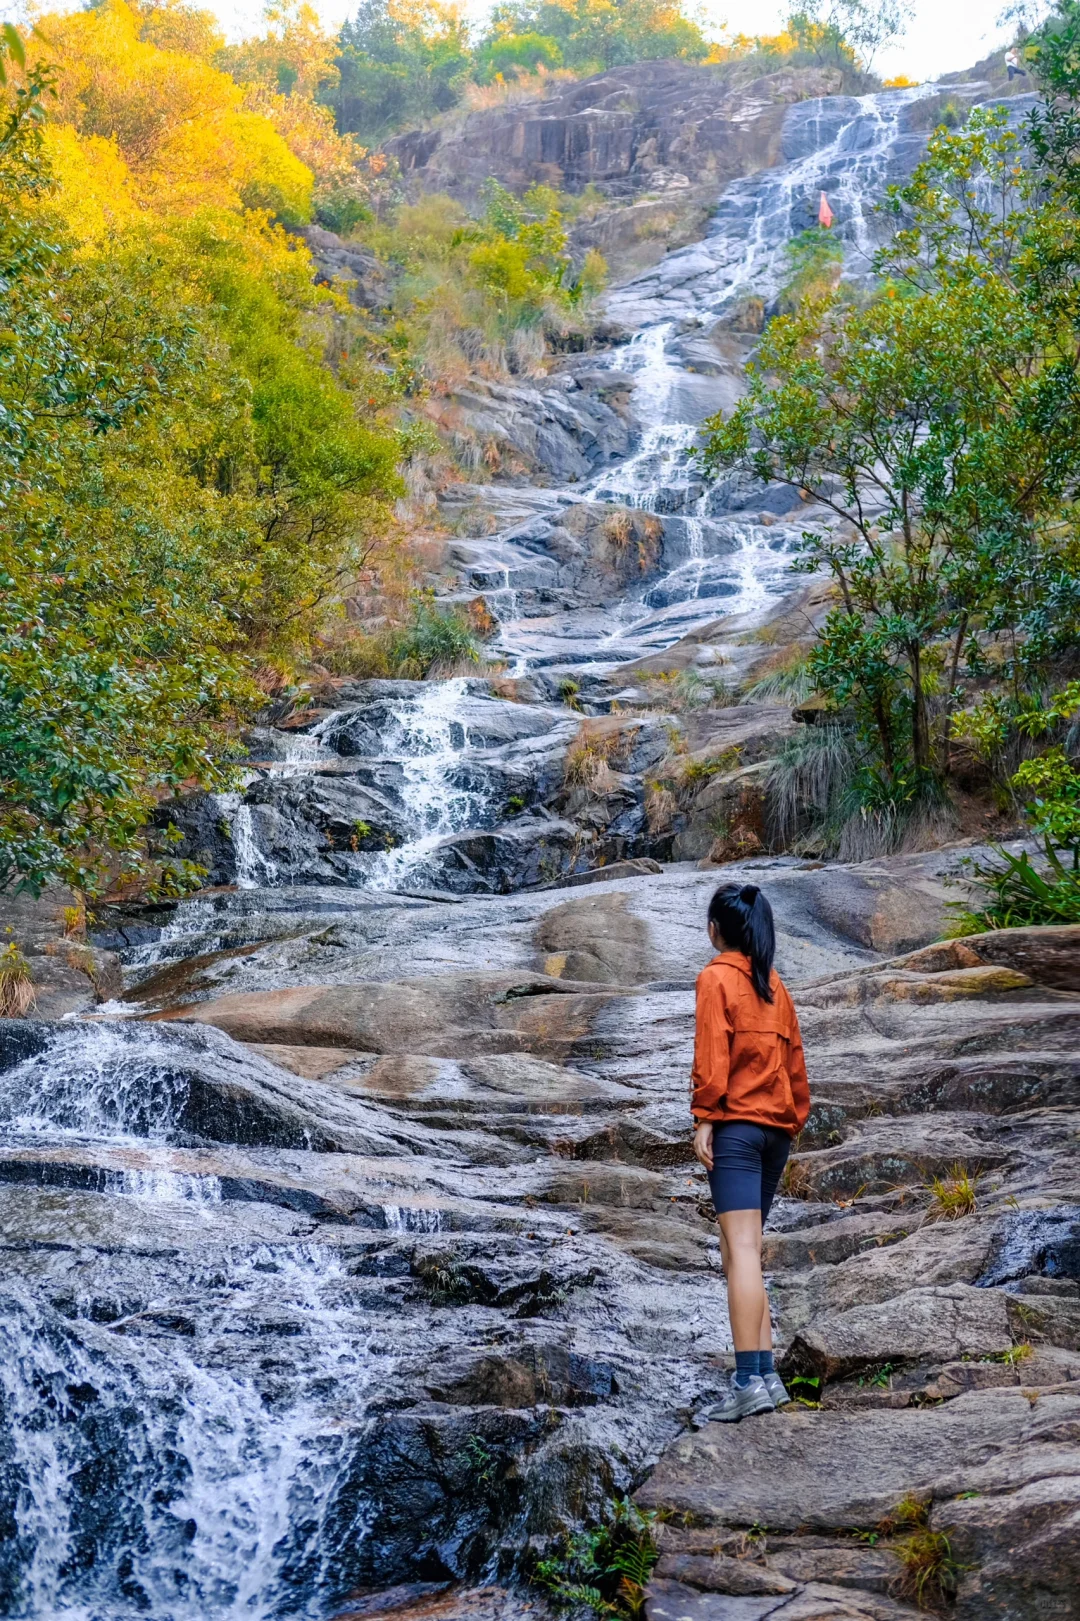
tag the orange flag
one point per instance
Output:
(825, 213)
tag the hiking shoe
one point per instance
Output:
(775, 1386)
(741, 1401)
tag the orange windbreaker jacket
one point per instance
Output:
(748, 1054)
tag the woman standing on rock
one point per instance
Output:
(750, 1098)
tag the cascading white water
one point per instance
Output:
(725, 563)
(176, 1475)
(220, 1478)
(745, 251)
(112, 1088)
(429, 737)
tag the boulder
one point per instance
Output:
(457, 1015)
(891, 905)
(595, 938)
(919, 1325)
(1049, 956)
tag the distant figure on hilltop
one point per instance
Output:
(1012, 63)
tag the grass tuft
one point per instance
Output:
(591, 755)
(953, 1195)
(17, 995)
(929, 1573)
(788, 683)
(677, 691)
(808, 788)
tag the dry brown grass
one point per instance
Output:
(795, 1182)
(598, 748)
(661, 807)
(618, 529)
(634, 537)
(17, 995)
(481, 618)
(507, 92)
(661, 224)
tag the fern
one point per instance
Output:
(606, 1568)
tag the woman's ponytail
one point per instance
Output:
(743, 918)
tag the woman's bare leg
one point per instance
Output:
(765, 1340)
(765, 1337)
(740, 1252)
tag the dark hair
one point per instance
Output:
(744, 918)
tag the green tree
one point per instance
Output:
(838, 30)
(184, 485)
(517, 53)
(596, 34)
(399, 63)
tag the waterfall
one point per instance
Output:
(203, 1332)
(220, 1476)
(719, 562)
(428, 735)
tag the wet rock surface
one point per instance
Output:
(452, 1221)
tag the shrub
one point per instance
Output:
(438, 639)
(1021, 892)
(608, 1568)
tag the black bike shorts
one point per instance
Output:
(748, 1162)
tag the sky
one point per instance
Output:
(944, 35)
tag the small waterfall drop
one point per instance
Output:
(438, 797)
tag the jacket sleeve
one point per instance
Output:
(800, 1085)
(712, 1050)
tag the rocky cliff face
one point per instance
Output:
(649, 126)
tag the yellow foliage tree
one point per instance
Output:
(178, 122)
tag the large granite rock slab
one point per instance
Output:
(844, 1471)
(449, 1017)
